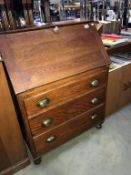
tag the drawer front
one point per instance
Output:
(42, 101)
(65, 112)
(53, 138)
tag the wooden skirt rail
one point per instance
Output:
(12, 10)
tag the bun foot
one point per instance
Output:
(37, 161)
(99, 126)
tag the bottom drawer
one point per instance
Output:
(57, 136)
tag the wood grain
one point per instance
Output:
(12, 147)
(50, 56)
(59, 94)
(66, 111)
(119, 89)
(113, 91)
(59, 66)
(125, 88)
(68, 130)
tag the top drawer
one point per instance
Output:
(47, 98)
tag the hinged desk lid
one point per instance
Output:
(35, 58)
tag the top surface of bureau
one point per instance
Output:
(35, 58)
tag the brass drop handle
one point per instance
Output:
(50, 139)
(47, 121)
(94, 116)
(94, 83)
(43, 103)
(95, 101)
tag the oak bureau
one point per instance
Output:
(59, 76)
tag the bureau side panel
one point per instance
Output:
(12, 148)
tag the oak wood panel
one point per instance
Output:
(49, 56)
(66, 81)
(26, 128)
(66, 111)
(12, 147)
(4, 159)
(119, 86)
(53, 85)
(64, 92)
(113, 91)
(68, 130)
(118, 89)
(125, 88)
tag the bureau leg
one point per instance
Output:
(99, 126)
(37, 161)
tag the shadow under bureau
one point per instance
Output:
(59, 78)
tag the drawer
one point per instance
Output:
(65, 112)
(43, 100)
(55, 137)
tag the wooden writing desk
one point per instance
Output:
(59, 78)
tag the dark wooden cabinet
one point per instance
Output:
(13, 154)
(13, 11)
(59, 76)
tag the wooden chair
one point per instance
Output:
(7, 17)
(4, 18)
(28, 12)
(46, 9)
(12, 22)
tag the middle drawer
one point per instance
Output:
(65, 112)
(46, 99)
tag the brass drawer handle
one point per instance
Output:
(94, 116)
(50, 139)
(95, 101)
(43, 103)
(47, 122)
(94, 83)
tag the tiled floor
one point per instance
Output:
(95, 152)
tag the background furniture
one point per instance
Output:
(119, 89)
(13, 154)
(60, 86)
(119, 83)
(14, 13)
